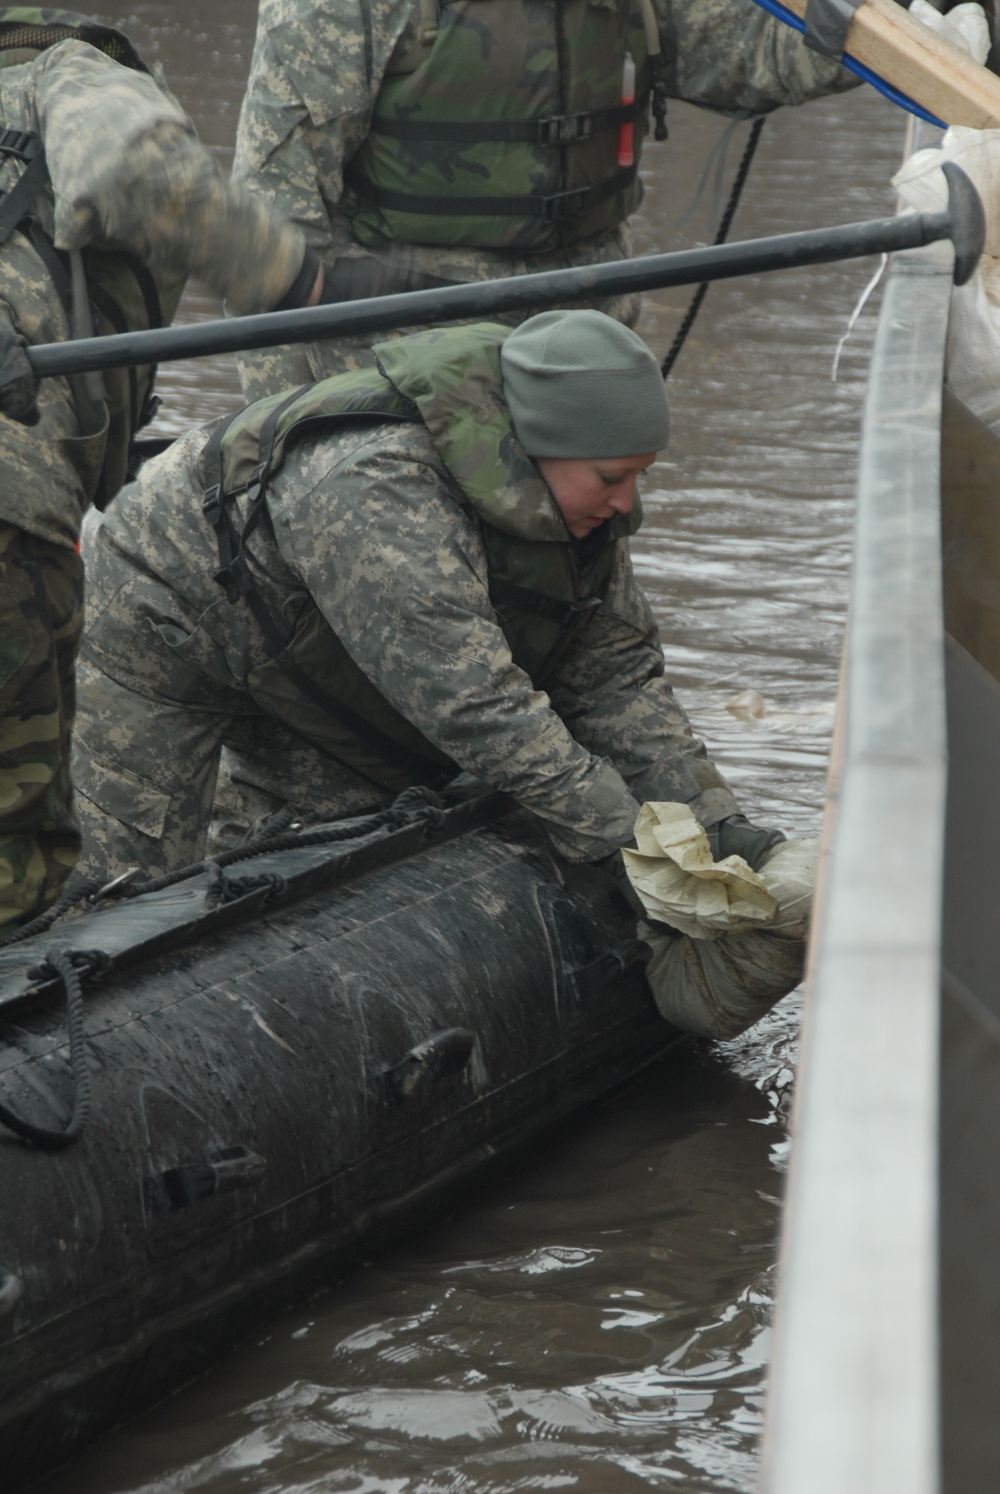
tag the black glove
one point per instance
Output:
(614, 867)
(736, 836)
(18, 385)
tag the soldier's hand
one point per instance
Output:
(736, 836)
(614, 867)
(18, 385)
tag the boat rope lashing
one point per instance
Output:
(69, 966)
(221, 889)
(415, 806)
(736, 192)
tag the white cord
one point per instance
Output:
(859, 308)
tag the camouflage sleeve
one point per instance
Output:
(315, 74)
(611, 691)
(732, 56)
(400, 574)
(127, 169)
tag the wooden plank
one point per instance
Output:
(933, 72)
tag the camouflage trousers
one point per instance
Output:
(41, 621)
(150, 738)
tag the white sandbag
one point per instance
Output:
(972, 357)
(921, 183)
(965, 26)
(719, 987)
(678, 882)
(972, 360)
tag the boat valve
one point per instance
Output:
(593, 980)
(11, 1292)
(223, 1170)
(439, 1056)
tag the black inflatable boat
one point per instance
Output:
(287, 1056)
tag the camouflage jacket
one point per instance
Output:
(128, 173)
(317, 70)
(379, 528)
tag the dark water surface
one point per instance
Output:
(597, 1322)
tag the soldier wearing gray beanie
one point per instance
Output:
(580, 384)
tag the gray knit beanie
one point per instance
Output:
(580, 384)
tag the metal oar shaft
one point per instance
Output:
(484, 299)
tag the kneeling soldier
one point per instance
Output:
(382, 578)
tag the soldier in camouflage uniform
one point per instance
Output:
(105, 222)
(383, 578)
(417, 142)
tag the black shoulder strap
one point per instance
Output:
(569, 617)
(18, 202)
(236, 579)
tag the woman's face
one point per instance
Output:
(590, 490)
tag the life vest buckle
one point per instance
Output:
(255, 482)
(211, 504)
(23, 144)
(564, 204)
(234, 579)
(565, 129)
(578, 614)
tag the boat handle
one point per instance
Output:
(437, 1057)
(11, 1292)
(222, 1171)
(594, 979)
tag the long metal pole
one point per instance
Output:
(961, 222)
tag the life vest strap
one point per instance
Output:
(26, 147)
(554, 129)
(569, 617)
(551, 208)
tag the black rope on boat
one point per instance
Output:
(742, 171)
(412, 806)
(44, 921)
(234, 888)
(69, 966)
(289, 831)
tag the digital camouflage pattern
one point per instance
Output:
(126, 170)
(41, 619)
(26, 30)
(317, 71)
(127, 173)
(451, 379)
(370, 524)
(494, 66)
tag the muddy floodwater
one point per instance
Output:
(597, 1321)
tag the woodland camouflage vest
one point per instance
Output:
(125, 295)
(502, 129)
(542, 587)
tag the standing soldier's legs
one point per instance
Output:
(41, 620)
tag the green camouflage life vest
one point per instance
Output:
(501, 130)
(125, 295)
(543, 586)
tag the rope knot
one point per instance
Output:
(415, 806)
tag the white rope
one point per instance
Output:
(859, 308)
